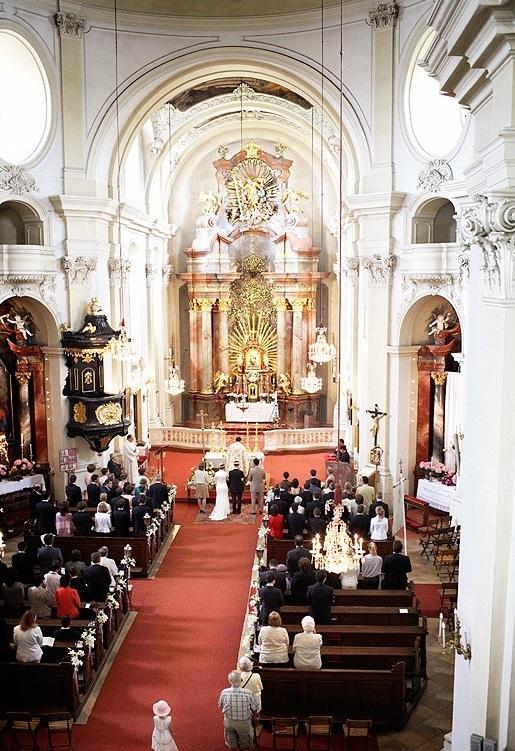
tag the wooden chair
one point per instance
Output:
(24, 730)
(60, 726)
(319, 726)
(357, 735)
(284, 728)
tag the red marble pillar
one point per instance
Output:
(40, 419)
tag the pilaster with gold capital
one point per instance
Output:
(206, 346)
(297, 364)
(224, 305)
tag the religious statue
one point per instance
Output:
(221, 381)
(20, 324)
(209, 202)
(376, 415)
(94, 307)
(284, 383)
(440, 321)
(291, 201)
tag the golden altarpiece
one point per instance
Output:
(252, 279)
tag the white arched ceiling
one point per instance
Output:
(139, 98)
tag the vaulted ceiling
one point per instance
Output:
(212, 8)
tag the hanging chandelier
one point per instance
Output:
(119, 347)
(311, 383)
(174, 384)
(321, 351)
(339, 552)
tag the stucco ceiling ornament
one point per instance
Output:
(77, 270)
(491, 226)
(14, 179)
(380, 269)
(438, 171)
(69, 24)
(383, 16)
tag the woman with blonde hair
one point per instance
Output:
(371, 569)
(306, 646)
(103, 525)
(273, 641)
(28, 639)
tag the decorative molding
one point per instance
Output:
(438, 171)
(432, 282)
(31, 285)
(168, 271)
(119, 269)
(77, 270)
(153, 273)
(380, 269)
(383, 16)
(464, 266)
(69, 24)
(15, 180)
(350, 268)
(491, 226)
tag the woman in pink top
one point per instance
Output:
(64, 522)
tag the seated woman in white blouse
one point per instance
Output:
(28, 638)
(306, 646)
(273, 641)
(103, 525)
(379, 525)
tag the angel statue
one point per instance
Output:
(221, 381)
(291, 201)
(209, 202)
(440, 322)
(284, 383)
(20, 324)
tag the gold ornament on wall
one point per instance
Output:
(79, 413)
(109, 414)
(252, 191)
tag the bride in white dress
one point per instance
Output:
(222, 508)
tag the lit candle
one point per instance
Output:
(440, 624)
(443, 634)
(455, 619)
(21, 444)
(30, 451)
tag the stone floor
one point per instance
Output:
(432, 718)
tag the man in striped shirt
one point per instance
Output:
(239, 707)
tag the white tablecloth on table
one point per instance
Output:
(256, 412)
(437, 495)
(12, 486)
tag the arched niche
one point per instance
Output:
(416, 320)
(20, 224)
(434, 222)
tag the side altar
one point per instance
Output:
(252, 280)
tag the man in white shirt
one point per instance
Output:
(109, 563)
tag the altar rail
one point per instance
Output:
(300, 439)
(186, 438)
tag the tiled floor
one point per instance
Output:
(432, 718)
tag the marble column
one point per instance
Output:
(281, 305)
(297, 364)
(194, 345)
(154, 276)
(439, 378)
(224, 305)
(206, 347)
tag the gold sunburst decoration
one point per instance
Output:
(252, 293)
(253, 194)
(253, 331)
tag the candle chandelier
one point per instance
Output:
(321, 351)
(119, 347)
(339, 552)
(311, 383)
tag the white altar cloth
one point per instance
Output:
(256, 412)
(437, 495)
(12, 486)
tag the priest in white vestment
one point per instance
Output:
(236, 453)
(130, 459)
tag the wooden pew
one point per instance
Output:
(278, 549)
(357, 614)
(39, 688)
(399, 598)
(360, 694)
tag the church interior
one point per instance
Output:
(281, 236)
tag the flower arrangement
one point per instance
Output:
(3, 470)
(102, 617)
(433, 468)
(112, 602)
(76, 655)
(88, 636)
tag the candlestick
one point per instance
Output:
(30, 451)
(443, 635)
(21, 444)
(455, 620)
(440, 623)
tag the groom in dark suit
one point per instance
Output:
(236, 481)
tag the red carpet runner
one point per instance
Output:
(182, 644)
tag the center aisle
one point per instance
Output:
(184, 641)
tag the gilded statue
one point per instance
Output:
(209, 202)
(94, 307)
(221, 381)
(284, 383)
(291, 201)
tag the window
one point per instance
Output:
(435, 121)
(24, 100)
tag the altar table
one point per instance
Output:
(437, 495)
(14, 500)
(255, 412)
(12, 486)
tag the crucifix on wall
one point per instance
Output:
(376, 415)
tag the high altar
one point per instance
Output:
(252, 278)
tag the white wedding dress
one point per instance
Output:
(222, 508)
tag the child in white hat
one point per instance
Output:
(162, 739)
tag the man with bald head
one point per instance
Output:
(239, 707)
